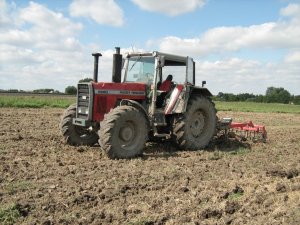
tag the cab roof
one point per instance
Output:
(170, 59)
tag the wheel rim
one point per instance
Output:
(127, 134)
(197, 123)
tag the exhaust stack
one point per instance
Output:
(96, 60)
(117, 66)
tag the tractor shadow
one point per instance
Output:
(168, 149)
(226, 144)
(163, 149)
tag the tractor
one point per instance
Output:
(124, 114)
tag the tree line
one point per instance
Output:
(272, 95)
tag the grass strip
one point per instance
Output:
(36, 101)
(257, 107)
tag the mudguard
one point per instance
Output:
(175, 103)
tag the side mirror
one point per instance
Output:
(161, 61)
(203, 83)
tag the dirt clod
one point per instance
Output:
(238, 190)
(280, 187)
(23, 209)
(209, 213)
(231, 207)
(184, 189)
(292, 173)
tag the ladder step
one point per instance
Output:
(162, 135)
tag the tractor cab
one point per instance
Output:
(152, 69)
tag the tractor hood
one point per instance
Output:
(108, 95)
(120, 89)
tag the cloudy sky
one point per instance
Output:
(239, 45)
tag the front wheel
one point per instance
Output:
(195, 128)
(123, 132)
(76, 135)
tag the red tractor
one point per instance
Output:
(122, 115)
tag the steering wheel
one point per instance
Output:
(149, 78)
(173, 84)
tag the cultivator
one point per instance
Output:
(245, 131)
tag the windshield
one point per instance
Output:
(140, 69)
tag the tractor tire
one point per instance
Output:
(76, 135)
(123, 133)
(195, 128)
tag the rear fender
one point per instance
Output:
(180, 96)
(176, 102)
(200, 91)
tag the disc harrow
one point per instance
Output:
(247, 130)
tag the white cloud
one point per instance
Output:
(5, 11)
(47, 29)
(170, 7)
(293, 57)
(101, 11)
(291, 10)
(40, 49)
(236, 75)
(224, 39)
(283, 34)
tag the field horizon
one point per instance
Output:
(58, 101)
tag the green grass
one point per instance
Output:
(14, 187)
(240, 151)
(65, 101)
(141, 221)
(36, 101)
(257, 107)
(9, 215)
(235, 196)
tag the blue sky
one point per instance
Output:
(239, 46)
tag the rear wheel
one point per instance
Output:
(123, 132)
(76, 135)
(195, 128)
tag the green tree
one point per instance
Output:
(278, 95)
(296, 100)
(86, 80)
(260, 98)
(71, 90)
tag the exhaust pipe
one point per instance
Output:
(117, 66)
(96, 60)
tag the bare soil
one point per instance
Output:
(230, 182)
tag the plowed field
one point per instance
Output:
(44, 181)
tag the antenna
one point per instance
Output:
(132, 48)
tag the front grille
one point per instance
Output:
(83, 100)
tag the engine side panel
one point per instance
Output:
(107, 95)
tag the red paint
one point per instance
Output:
(249, 127)
(103, 103)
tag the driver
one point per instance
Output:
(166, 87)
(167, 84)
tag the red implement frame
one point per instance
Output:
(250, 129)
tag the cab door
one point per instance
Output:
(190, 71)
